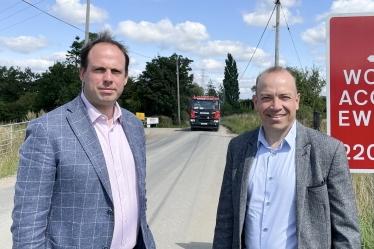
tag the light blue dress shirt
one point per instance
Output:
(270, 221)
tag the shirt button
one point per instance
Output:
(270, 178)
(124, 243)
(267, 203)
(265, 229)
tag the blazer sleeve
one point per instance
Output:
(223, 234)
(345, 229)
(33, 189)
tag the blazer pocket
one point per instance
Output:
(318, 185)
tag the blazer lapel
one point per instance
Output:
(244, 172)
(302, 157)
(82, 126)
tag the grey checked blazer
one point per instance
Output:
(326, 213)
(63, 197)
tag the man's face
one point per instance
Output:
(105, 76)
(277, 101)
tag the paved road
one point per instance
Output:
(184, 173)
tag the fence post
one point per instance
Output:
(11, 138)
(317, 120)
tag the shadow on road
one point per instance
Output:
(196, 245)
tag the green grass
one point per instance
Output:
(8, 164)
(362, 183)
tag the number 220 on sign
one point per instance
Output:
(359, 152)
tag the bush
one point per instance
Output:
(165, 122)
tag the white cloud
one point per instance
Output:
(189, 37)
(24, 44)
(182, 36)
(316, 35)
(75, 13)
(134, 73)
(320, 58)
(36, 65)
(133, 62)
(57, 56)
(348, 6)
(210, 65)
(263, 10)
(238, 50)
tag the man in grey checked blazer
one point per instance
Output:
(325, 212)
(63, 195)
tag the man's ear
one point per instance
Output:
(126, 79)
(255, 100)
(81, 73)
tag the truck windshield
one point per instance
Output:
(205, 104)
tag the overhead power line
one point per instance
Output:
(258, 43)
(54, 16)
(291, 37)
(34, 15)
(45, 12)
(292, 6)
(11, 6)
(70, 24)
(19, 11)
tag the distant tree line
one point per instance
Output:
(153, 92)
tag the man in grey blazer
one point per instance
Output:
(285, 185)
(81, 173)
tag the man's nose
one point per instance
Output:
(277, 104)
(108, 75)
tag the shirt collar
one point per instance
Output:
(290, 139)
(95, 114)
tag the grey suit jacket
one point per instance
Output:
(326, 213)
(63, 197)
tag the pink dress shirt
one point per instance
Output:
(122, 175)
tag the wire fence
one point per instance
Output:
(11, 135)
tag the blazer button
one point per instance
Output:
(110, 212)
(106, 247)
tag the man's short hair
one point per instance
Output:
(103, 37)
(275, 69)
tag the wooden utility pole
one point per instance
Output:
(277, 2)
(179, 109)
(87, 37)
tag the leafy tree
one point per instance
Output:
(17, 92)
(57, 86)
(310, 84)
(211, 89)
(196, 90)
(156, 88)
(230, 82)
(126, 99)
(72, 56)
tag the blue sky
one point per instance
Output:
(204, 31)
